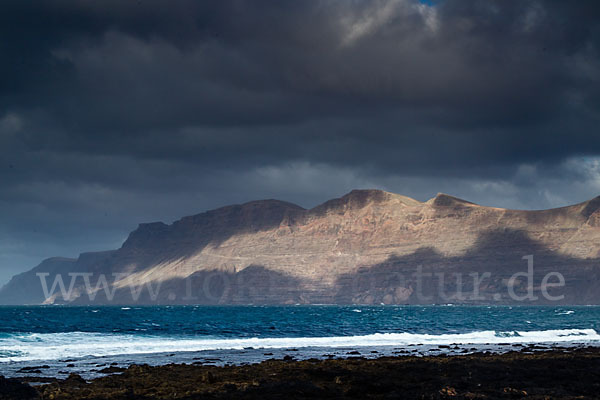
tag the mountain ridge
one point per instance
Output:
(303, 255)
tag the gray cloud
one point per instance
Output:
(117, 112)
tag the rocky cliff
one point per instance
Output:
(367, 247)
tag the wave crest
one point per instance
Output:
(52, 346)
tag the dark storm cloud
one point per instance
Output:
(115, 112)
(131, 76)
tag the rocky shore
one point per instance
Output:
(555, 374)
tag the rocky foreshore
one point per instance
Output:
(555, 374)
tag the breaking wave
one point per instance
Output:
(53, 346)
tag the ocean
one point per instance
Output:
(54, 341)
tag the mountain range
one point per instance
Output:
(366, 247)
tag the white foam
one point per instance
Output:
(54, 346)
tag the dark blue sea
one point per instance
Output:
(91, 338)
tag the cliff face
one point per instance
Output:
(367, 247)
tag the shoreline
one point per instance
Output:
(92, 367)
(557, 373)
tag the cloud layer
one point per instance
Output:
(117, 112)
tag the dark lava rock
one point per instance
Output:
(74, 380)
(112, 370)
(33, 370)
(544, 374)
(13, 389)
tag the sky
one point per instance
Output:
(117, 112)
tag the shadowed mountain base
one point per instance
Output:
(481, 276)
